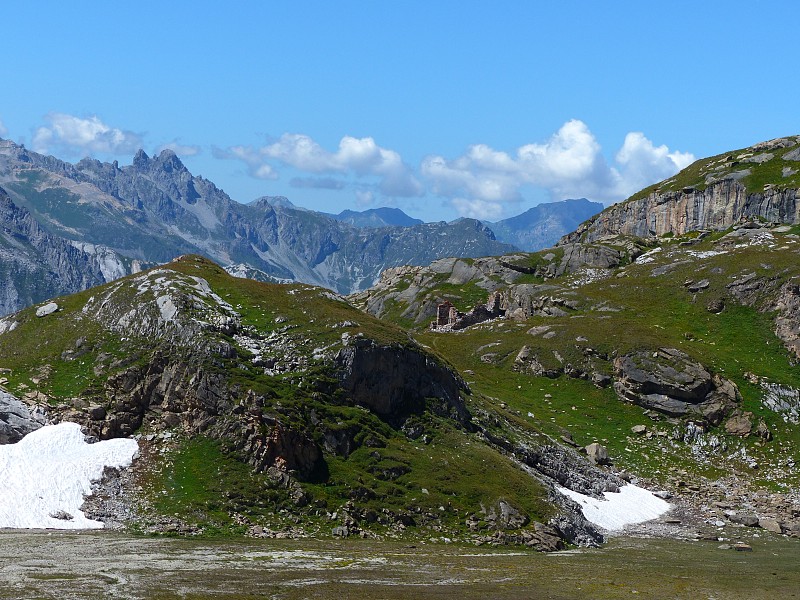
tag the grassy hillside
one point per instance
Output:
(639, 306)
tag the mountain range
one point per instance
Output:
(118, 219)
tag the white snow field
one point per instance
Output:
(50, 471)
(629, 506)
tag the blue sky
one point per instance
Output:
(443, 109)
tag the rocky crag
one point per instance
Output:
(36, 265)
(757, 183)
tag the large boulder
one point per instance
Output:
(17, 420)
(670, 382)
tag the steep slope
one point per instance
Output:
(155, 209)
(35, 265)
(678, 355)
(281, 409)
(760, 182)
(542, 226)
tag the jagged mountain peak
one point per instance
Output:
(167, 160)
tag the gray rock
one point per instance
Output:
(639, 429)
(47, 309)
(698, 286)
(61, 515)
(97, 412)
(597, 453)
(670, 382)
(748, 520)
(771, 525)
(17, 419)
(740, 424)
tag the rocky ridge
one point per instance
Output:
(591, 312)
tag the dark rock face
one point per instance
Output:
(17, 420)
(670, 382)
(394, 382)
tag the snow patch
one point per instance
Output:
(629, 506)
(45, 477)
(647, 257)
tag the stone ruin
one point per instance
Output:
(448, 318)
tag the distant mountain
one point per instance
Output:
(35, 264)
(155, 210)
(377, 217)
(543, 225)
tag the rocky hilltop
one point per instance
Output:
(761, 182)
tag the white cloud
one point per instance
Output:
(182, 150)
(364, 198)
(641, 163)
(483, 181)
(3, 130)
(359, 157)
(78, 135)
(478, 209)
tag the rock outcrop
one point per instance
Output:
(395, 382)
(17, 419)
(718, 207)
(670, 382)
(714, 193)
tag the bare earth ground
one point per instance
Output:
(63, 565)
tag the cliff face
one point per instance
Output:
(761, 182)
(718, 207)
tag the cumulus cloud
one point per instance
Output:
(642, 163)
(478, 209)
(358, 157)
(182, 150)
(482, 181)
(90, 135)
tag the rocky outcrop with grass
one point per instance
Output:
(757, 183)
